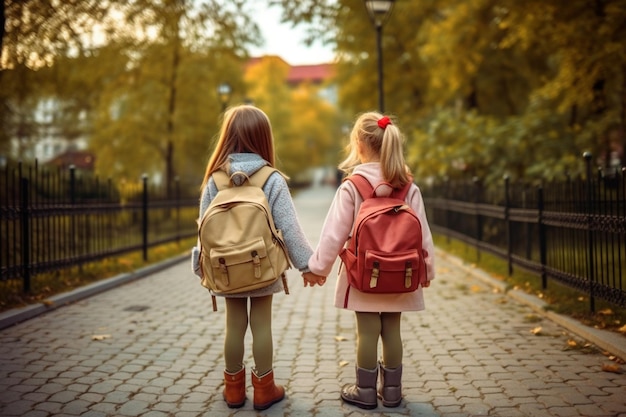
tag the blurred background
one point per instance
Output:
(481, 88)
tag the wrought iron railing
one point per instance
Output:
(52, 219)
(573, 230)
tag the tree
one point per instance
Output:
(185, 33)
(33, 34)
(305, 126)
(137, 71)
(489, 86)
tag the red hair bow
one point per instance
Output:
(383, 122)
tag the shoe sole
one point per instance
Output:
(261, 407)
(364, 406)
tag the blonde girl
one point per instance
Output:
(376, 152)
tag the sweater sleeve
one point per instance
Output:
(286, 220)
(205, 199)
(335, 231)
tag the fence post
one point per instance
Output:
(144, 227)
(479, 225)
(25, 235)
(543, 247)
(177, 182)
(72, 212)
(507, 220)
(590, 242)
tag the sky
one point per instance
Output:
(287, 42)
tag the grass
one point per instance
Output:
(46, 285)
(559, 298)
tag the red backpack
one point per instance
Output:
(385, 254)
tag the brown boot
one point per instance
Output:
(390, 389)
(266, 392)
(363, 393)
(235, 388)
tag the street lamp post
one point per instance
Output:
(223, 91)
(379, 11)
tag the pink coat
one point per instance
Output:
(336, 232)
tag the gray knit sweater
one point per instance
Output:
(284, 213)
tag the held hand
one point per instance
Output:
(426, 284)
(310, 279)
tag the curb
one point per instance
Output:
(18, 315)
(607, 340)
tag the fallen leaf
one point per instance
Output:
(572, 343)
(475, 288)
(340, 338)
(611, 367)
(606, 312)
(343, 363)
(536, 330)
(100, 336)
(622, 329)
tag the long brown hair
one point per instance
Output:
(245, 129)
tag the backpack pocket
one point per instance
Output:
(242, 267)
(386, 273)
(350, 263)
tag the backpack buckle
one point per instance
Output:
(224, 271)
(256, 261)
(408, 273)
(374, 276)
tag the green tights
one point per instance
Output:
(371, 326)
(261, 327)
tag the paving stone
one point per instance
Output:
(471, 353)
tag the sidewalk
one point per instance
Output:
(153, 347)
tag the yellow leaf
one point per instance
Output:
(343, 363)
(606, 312)
(100, 336)
(572, 343)
(340, 338)
(622, 329)
(536, 330)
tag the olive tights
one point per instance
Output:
(371, 326)
(261, 327)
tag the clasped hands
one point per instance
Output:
(311, 279)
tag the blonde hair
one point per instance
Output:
(386, 143)
(245, 129)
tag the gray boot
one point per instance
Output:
(363, 393)
(390, 389)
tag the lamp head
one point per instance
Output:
(379, 10)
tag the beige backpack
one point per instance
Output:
(240, 248)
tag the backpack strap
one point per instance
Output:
(400, 193)
(260, 177)
(363, 186)
(221, 179)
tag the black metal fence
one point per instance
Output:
(52, 219)
(572, 230)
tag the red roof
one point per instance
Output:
(80, 159)
(316, 74)
(313, 73)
